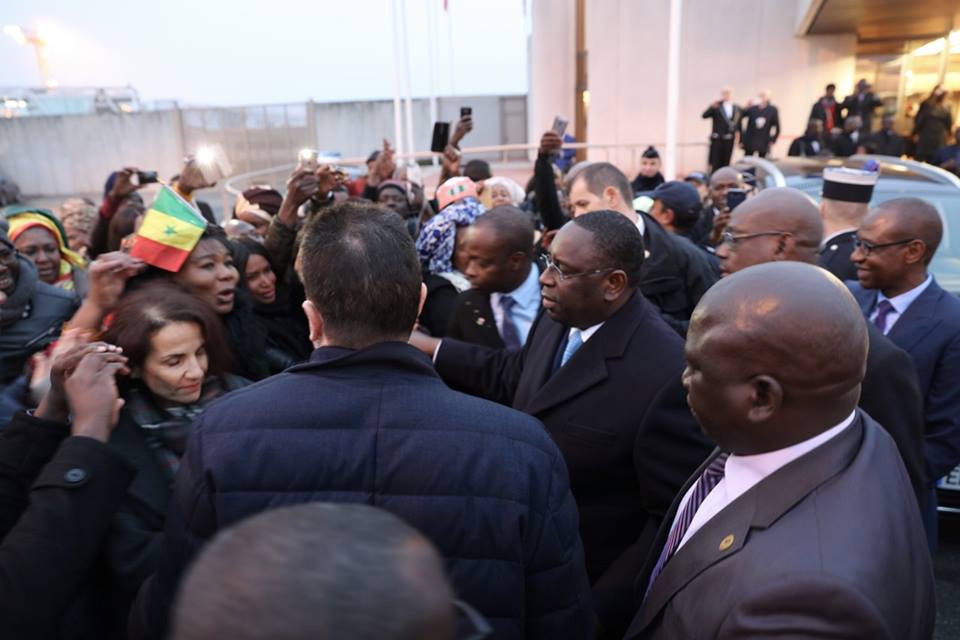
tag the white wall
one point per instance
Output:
(744, 44)
(553, 69)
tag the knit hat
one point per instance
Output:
(454, 190)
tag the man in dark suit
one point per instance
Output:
(896, 242)
(760, 126)
(725, 117)
(826, 109)
(790, 229)
(862, 104)
(886, 142)
(368, 420)
(766, 540)
(601, 371)
(844, 204)
(504, 300)
(850, 140)
(675, 272)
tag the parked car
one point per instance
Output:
(9, 192)
(898, 178)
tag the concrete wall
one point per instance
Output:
(553, 69)
(72, 155)
(68, 155)
(743, 44)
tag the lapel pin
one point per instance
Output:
(726, 543)
(481, 322)
(834, 247)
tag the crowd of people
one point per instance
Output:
(590, 407)
(835, 128)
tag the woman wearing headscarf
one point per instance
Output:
(440, 248)
(39, 236)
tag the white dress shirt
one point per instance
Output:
(741, 473)
(728, 110)
(524, 312)
(641, 225)
(900, 303)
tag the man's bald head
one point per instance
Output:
(777, 224)
(316, 571)
(776, 354)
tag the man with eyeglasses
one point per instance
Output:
(846, 194)
(601, 370)
(894, 247)
(783, 224)
(31, 311)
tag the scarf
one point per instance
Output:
(21, 221)
(437, 238)
(166, 430)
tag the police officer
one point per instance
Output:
(843, 206)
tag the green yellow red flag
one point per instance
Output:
(170, 231)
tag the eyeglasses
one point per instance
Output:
(731, 239)
(868, 247)
(549, 265)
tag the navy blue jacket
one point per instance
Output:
(377, 426)
(930, 332)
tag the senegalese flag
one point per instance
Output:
(170, 231)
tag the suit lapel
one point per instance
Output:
(539, 352)
(918, 320)
(726, 533)
(481, 317)
(150, 485)
(588, 366)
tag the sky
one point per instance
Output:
(239, 52)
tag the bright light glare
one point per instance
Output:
(205, 155)
(16, 32)
(307, 154)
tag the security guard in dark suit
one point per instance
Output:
(846, 194)
(726, 124)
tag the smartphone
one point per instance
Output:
(466, 112)
(441, 136)
(560, 125)
(735, 198)
(146, 177)
(307, 159)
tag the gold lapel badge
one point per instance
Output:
(481, 322)
(726, 543)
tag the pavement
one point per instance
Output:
(946, 569)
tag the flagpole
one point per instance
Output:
(408, 98)
(397, 113)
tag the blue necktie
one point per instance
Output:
(509, 331)
(884, 309)
(573, 343)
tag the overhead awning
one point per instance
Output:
(881, 26)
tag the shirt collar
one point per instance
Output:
(903, 301)
(586, 334)
(528, 293)
(830, 238)
(641, 225)
(742, 472)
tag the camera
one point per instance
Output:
(146, 177)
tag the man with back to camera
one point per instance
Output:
(600, 369)
(368, 420)
(895, 244)
(784, 224)
(843, 205)
(504, 300)
(767, 538)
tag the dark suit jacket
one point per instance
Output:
(819, 112)
(843, 145)
(619, 414)
(722, 127)
(473, 320)
(794, 557)
(853, 106)
(885, 143)
(930, 332)
(835, 256)
(754, 136)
